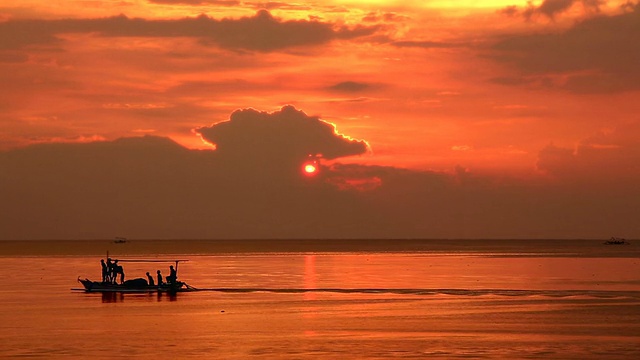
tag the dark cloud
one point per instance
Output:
(20, 33)
(350, 86)
(611, 156)
(599, 54)
(424, 44)
(150, 187)
(384, 17)
(288, 136)
(551, 8)
(261, 32)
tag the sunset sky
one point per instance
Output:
(501, 118)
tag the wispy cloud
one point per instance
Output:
(261, 32)
(350, 86)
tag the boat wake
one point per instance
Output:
(431, 292)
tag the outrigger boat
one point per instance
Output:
(138, 285)
(616, 241)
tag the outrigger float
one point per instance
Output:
(138, 285)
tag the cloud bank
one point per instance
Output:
(611, 156)
(261, 32)
(552, 8)
(596, 55)
(151, 187)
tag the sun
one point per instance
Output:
(310, 168)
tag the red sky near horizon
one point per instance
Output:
(482, 85)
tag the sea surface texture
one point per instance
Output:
(390, 299)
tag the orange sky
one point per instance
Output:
(525, 89)
(425, 83)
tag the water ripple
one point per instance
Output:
(455, 292)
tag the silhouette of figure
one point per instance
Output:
(105, 271)
(150, 279)
(159, 278)
(117, 269)
(173, 275)
(110, 270)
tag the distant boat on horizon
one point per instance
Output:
(617, 241)
(120, 240)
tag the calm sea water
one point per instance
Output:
(543, 302)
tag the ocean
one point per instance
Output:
(327, 299)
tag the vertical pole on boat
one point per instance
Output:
(102, 279)
(177, 262)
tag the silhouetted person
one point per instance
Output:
(159, 278)
(173, 275)
(150, 279)
(105, 271)
(110, 271)
(117, 269)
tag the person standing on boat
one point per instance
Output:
(173, 275)
(105, 271)
(150, 279)
(117, 269)
(159, 278)
(110, 270)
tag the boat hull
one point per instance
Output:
(95, 286)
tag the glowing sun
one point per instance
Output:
(310, 169)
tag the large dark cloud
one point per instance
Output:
(21, 33)
(261, 32)
(285, 135)
(150, 187)
(597, 55)
(611, 156)
(251, 186)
